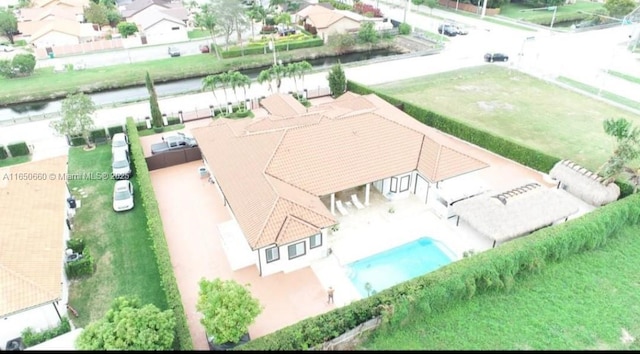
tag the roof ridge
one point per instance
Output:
(292, 218)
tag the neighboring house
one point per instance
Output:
(158, 21)
(63, 3)
(58, 32)
(272, 172)
(325, 22)
(34, 14)
(33, 232)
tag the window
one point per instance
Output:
(404, 183)
(394, 185)
(315, 241)
(273, 254)
(296, 250)
(175, 28)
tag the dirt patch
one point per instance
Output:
(490, 106)
(468, 88)
(626, 337)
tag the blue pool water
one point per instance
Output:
(391, 267)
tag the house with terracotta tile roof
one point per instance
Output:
(159, 21)
(58, 32)
(325, 22)
(279, 175)
(33, 232)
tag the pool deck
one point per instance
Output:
(368, 231)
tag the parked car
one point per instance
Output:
(6, 48)
(205, 48)
(495, 56)
(174, 142)
(123, 195)
(120, 141)
(121, 165)
(461, 29)
(174, 51)
(285, 30)
(448, 30)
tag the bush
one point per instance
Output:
(338, 5)
(173, 120)
(494, 270)
(366, 10)
(141, 126)
(24, 64)
(235, 52)
(76, 244)
(404, 28)
(31, 338)
(18, 149)
(20, 43)
(98, 135)
(3, 153)
(115, 130)
(156, 233)
(77, 141)
(80, 268)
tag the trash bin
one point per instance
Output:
(202, 170)
(51, 55)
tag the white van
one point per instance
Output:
(120, 141)
(121, 164)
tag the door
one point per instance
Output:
(422, 188)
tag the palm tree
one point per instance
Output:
(303, 68)
(256, 14)
(278, 72)
(211, 82)
(633, 175)
(245, 83)
(225, 80)
(266, 76)
(235, 81)
(208, 20)
(292, 72)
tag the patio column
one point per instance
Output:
(333, 203)
(367, 189)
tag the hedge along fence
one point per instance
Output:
(254, 49)
(113, 130)
(532, 158)
(497, 269)
(3, 153)
(156, 232)
(19, 149)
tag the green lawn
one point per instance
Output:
(596, 91)
(522, 108)
(125, 261)
(515, 10)
(14, 160)
(583, 302)
(630, 78)
(197, 33)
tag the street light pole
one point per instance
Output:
(272, 44)
(484, 8)
(406, 8)
(553, 18)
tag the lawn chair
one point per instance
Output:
(341, 208)
(356, 202)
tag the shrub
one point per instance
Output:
(366, 10)
(24, 64)
(77, 141)
(141, 126)
(3, 153)
(280, 46)
(19, 149)
(404, 28)
(156, 233)
(20, 43)
(98, 135)
(31, 337)
(80, 268)
(173, 120)
(115, 130)
(76, 244)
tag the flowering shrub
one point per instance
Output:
(364, 9)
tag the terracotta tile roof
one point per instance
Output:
(319, 16)
(65, 3)
(57, 11)
(31, 238)
(273, 178)
(283, 105)
(73, 28)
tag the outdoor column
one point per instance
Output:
(181, 117)
(148, 121)
(333, 203)
(367, 189)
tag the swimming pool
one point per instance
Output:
(391, 267)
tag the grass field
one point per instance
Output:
(197, 33)
(630, 78)
(515, 10)
(584, 302)
(125, 261)
(14, 160)
(602, 93)
(524, 109)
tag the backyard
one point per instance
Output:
(119, 243)
(589, 301)
(519, 107)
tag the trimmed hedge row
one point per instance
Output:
(529, 157)
(156, 233)
(115, 130)
(19, 149)
(494, 270)
(3, 153)
(31, 337)
(545, 19)
(253, 50)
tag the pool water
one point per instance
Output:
(391, 267)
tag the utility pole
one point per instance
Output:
(406, 8)
(484, 8)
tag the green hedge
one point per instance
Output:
(545, 19)
(3, 153)
(156, 233)
(253, 50)
(18, 149)
(77, 141)
(494, 270)
(141, 126)
(31, 337)
(532, 158)
(98, 135)
(80, 268)
(173, 120)
(115, 130)
(76, 244)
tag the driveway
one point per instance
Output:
(191, 209)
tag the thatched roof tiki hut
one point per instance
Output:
(584, 184)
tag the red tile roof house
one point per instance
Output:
(273, 171)
(33, 232)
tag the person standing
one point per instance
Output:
(330, 295)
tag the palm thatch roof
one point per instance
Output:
(584, 184)
(515, 212)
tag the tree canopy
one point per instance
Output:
(228, 309)
(337, 80)
(620, 8)
(626, 151)
(8, 24)
(77, 117)
(129, 326)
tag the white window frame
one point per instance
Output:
(304, 250)
(266, 254)
(319, 238)
(393, 188)
(406, 178)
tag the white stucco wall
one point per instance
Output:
(164, 32)
(284, 264)
(54, 38)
